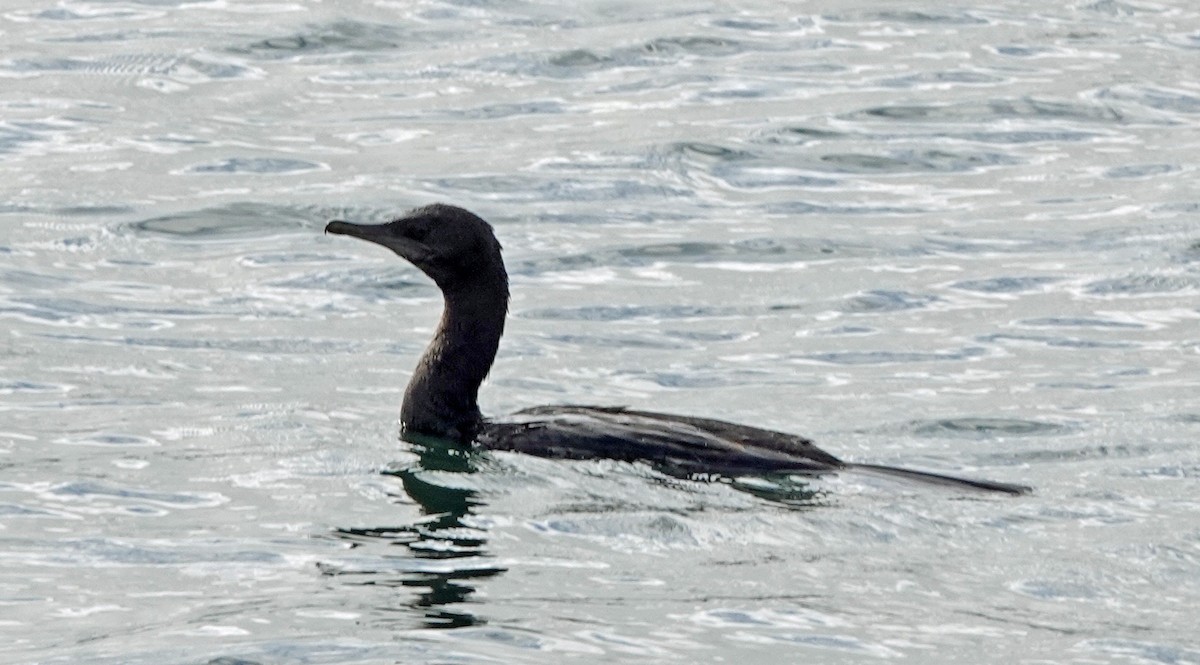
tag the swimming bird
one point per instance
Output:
(459, 251)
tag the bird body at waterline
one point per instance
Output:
(459, 251)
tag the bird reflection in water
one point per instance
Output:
(448, 553)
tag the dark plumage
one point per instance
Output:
(459, 251)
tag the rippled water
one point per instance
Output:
(957, 237)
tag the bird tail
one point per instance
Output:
(940, 479)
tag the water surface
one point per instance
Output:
(960, 238)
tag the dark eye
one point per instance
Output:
(417, 232)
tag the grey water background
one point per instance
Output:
(961, 237)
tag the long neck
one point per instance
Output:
(441, 399)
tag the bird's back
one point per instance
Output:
(679, 445)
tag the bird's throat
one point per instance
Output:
(442, 396)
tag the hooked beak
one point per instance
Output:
(384, 235)
(365, 231)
